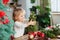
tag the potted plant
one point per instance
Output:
(43, 16)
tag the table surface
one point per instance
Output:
(55, 39)
(25, 37)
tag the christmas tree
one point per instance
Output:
(6, 23)
(32, 28)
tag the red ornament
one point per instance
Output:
(12, 37)
(40, 34)
(43, 35)
(36, 35)
(6, 21)
(5, 1)
(32, 34)
(2, 13)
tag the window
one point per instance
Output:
(55, 5)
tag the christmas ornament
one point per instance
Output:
(12, 37)
(33, 35)
(2, 18)
(40, 34)
(2, 13)
(5, 1)
(6, 21)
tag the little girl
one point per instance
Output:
(19, 18)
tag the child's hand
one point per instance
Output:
(32, 22)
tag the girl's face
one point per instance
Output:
(21, 17)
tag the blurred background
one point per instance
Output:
(53, 5)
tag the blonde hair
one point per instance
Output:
(17, 12)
